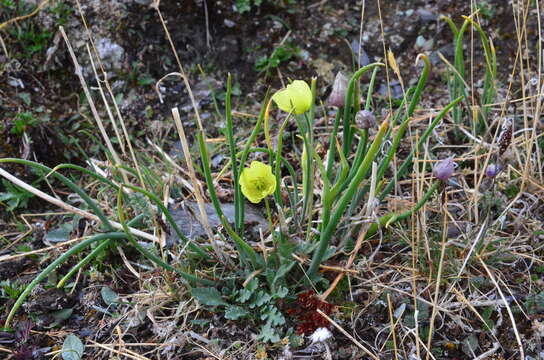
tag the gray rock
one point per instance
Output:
(229, 23)
(363, 59)
(186, 216)
(448, 51)
(426, 16)
(396, 89)
(111, 54)
(142, 2)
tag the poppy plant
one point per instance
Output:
(257, 181)
(296, 97)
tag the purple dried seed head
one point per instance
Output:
(443, 170)
(365, 119)
(493, 170)
(339, 89)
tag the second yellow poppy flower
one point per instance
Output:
(296, 97)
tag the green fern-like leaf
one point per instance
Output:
(233, 312)
(261, 298)
(273, 316)
(268, 334)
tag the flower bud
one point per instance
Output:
(339, 88)
(443, 170)
(365, 119)
(493, 170)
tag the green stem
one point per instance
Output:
(348, 136)
(95, 252)
(345, 200)
(332, 144)
(408, 162)
(371, 88)
(277, 165)
(83, 262)
(391, 218)
(269, 217)
(238, 200)
(361, 146)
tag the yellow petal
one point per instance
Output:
(301, 95)
(296, 97)
(257, 181)
(283, 100)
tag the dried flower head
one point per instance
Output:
(443, 170)
(296, 97)
(365, 119)
(305, 311)
(505, 137)
(493, 170)
(339, 89)
(257, 181)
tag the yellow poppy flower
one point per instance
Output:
(296, 97)
(257, 181)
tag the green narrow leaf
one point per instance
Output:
(63, 314)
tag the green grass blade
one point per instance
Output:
(45, 272)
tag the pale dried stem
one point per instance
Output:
(508, 309)
(79, 73)
(116, 107)
(72, 209)
(221, 256)
(104, 100)
(392, 321)
(439, 273)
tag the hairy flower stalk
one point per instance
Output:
(505, 137)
